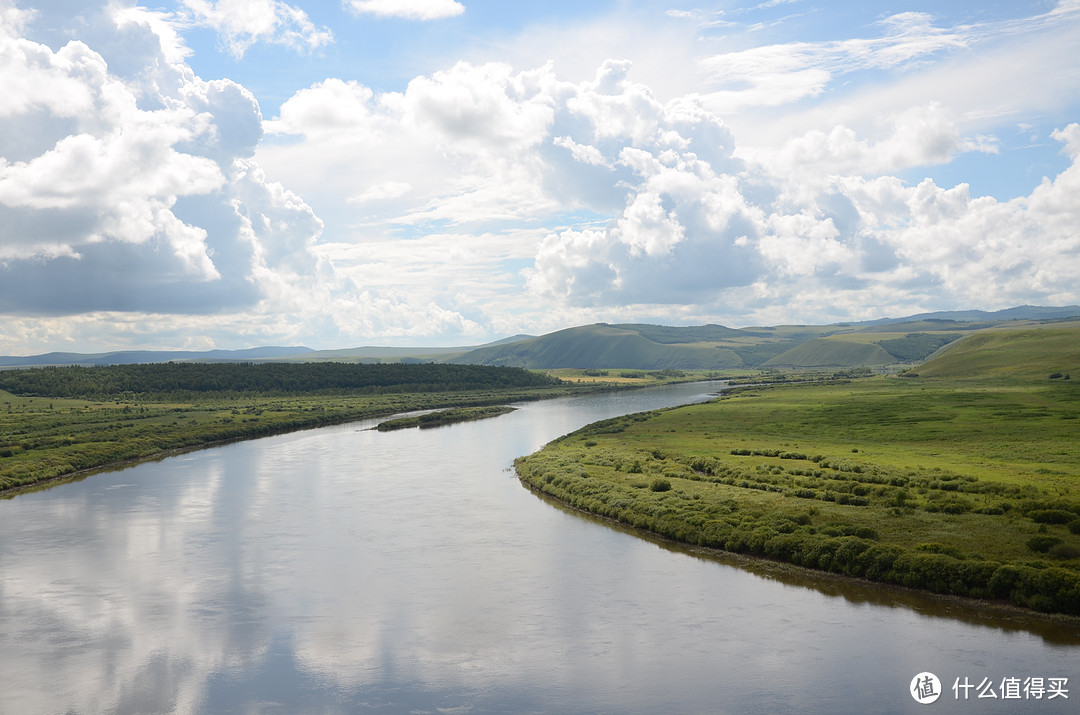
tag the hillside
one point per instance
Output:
(1028, 352)
(892, 343)
(824, 352)
(714, 347)
(647, 347)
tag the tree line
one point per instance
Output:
(110, 381)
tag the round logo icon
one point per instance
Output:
(925, 688)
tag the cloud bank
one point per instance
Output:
(131, 186)
(141, 204)
(680, 222)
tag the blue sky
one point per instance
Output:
(228, 173)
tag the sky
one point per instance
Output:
(196, 174)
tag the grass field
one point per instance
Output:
(964, 480)
(43, 438)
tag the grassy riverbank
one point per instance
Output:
(962, 481)
(46, 438)
(60, 421)
(444, 417)
(69, 420)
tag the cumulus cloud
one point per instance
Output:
(242, 23)
(408, 9)
(651, 205)
(132, 187)
(917, 136)
(464, 140)
(738, 237)
(481, 197)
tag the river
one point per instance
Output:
(343, 569)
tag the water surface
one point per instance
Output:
(344, 569)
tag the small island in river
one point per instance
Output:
(444, 417)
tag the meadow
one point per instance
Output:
(59, 422)
(961, 477)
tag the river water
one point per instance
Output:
(344, 569)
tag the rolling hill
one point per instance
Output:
(715, 347)
(1025, 352)
(888, 342)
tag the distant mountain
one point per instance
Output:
(399, 354)
(651, 347)
(889, 341)
(716, 347)
(261, 354)
(131, 357)
(1022, 312)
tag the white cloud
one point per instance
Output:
(137, 191)
(242, 23)
(484, 198)
(463, 139)
(740, 238)
(916, 137)
(774, 75)
(408, 9)
(381, 192)
(1003, 72)
(688, 222)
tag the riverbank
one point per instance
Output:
(957, 489)
(1057, 628)
(45, 440)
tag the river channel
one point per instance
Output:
(349, 570)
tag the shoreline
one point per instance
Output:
(80, 474)
(8, 492)
(978, 610)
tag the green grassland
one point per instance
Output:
(60, 421)
(55, 422)
(963, 480)
(45, 438)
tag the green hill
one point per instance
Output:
(887, 342)
(1026, 352)
(715, 347)
(648, 347)
(829, 352)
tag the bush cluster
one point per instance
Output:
(659, 504)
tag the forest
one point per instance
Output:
(175, 380)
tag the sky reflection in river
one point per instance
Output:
(342, 569)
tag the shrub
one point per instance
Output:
(1063, 551)
(1042, 543)
(660, 485)
(1051, 516)
(1074, 526)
